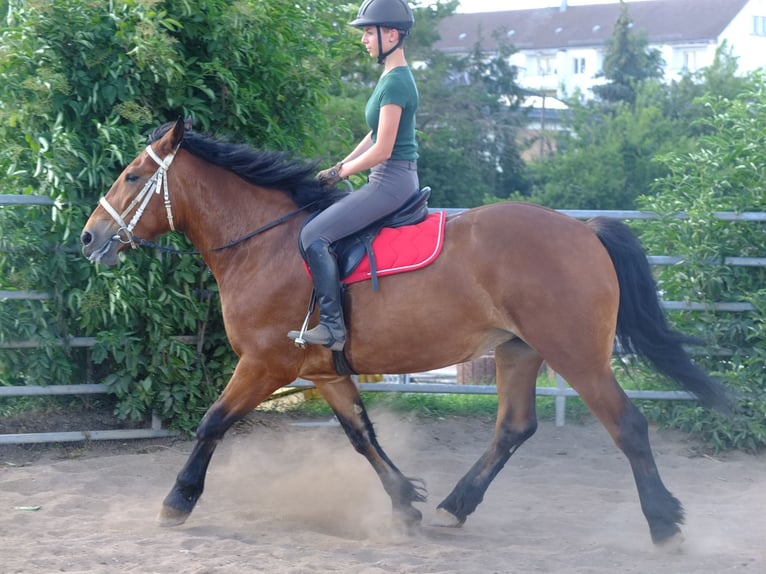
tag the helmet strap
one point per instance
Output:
(383, 55)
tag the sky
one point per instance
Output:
(500, 5)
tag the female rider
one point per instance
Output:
(389, 151)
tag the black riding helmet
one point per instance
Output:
(386, 14)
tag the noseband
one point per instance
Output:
(158, 183)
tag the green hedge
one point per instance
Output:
(81, 85)
(726, 172)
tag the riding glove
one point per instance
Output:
(330, 177)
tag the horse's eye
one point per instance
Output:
(131, 178)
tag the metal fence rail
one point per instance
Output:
(6, 199)
(155, 430)
(408, 383)
(560, 392)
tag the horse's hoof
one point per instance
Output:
(403, 528)
(171, 517)
(407, 517)
(672, 544)
(445, 519)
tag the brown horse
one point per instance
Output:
(526, 281)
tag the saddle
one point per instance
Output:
(351, 250)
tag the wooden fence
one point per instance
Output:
(434, 382)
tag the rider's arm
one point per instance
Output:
(361, 147)
(380, 150)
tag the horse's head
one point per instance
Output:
(129, 205)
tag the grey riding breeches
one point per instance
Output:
(389, 186)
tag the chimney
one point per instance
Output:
(563, 7)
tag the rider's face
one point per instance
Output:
(388, 37)
(370, 40)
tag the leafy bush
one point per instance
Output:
(725, 173)
(81, 84)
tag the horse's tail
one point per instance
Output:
(642, 328)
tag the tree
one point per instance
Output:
(685, 101)
(606, 159)
(628, 62)
(470, 120)
(606, 156)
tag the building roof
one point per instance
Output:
(664, 21)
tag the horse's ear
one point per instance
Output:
(177, 133)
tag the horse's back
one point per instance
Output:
(513, 236)
(506, 270)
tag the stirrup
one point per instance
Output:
(297, 336)
(325, 338)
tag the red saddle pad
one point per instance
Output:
(402, 249)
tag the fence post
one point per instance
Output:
(561, 401)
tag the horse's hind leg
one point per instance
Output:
(343, 397)
(629, 430)
(517, 368)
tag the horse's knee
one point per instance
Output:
(509, 437)
(214, 424)
(528, 429)
(360, 432)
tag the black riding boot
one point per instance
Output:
(331, 331)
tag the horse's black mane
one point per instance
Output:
(278, 170)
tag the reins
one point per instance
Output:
(172, 250)
(157, 184)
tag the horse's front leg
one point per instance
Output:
(246, 389)
(343, 397)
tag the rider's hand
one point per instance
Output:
(330, 177)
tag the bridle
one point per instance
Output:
(158, 183)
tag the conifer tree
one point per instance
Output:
(628, 61)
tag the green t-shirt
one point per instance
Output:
(396, 87)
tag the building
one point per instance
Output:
(561, 49)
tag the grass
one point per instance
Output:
(312, 406)
(19, 406)
(452, 404)
(428, 405)
(15, 406)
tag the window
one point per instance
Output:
(759, 25)
(688, 59)
(578, 66)
(546, 65)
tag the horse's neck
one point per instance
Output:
(227, 209)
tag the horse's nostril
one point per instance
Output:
(86, 238)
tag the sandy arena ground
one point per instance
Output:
(290, 499)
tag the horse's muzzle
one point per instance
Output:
(100, 247)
